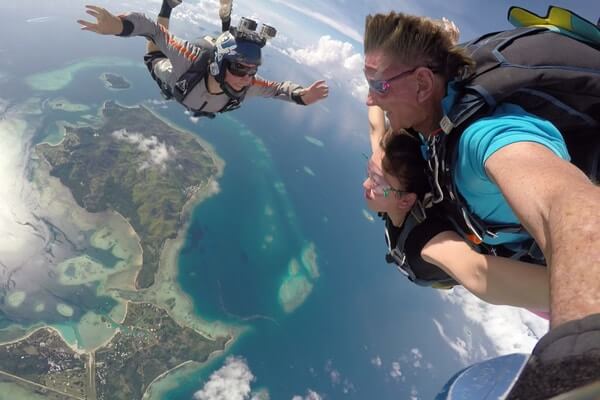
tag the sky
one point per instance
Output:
(323, 35)
(324, 38)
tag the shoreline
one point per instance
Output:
(148, 392)
(48, 328)
(168, 256)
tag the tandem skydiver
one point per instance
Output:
(505, 175)
(208, 76)
(422, 241)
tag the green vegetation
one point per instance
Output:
(113, 81)
(148, 344)
(44, 363)
(137, 165)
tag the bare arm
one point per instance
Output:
(559, 206)
(376, 127)
(496, 280)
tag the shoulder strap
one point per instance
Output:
(233, 104)
(408, 261)
(196, 73)
(561, 85)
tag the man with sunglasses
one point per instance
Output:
(205, 77)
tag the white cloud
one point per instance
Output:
(213, 187)
(230, 382)
(156, 102)
(395, 372)
(417, 357)
(510, 329)
(416, 353)
(158, 153)
(376, 361)
(335, 376)
(20, 235)
(414, 394)
(201, 13)
(337, 379)
(310, 395)
(334, 59)
(456, 344)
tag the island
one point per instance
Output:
(114, 81)
(136, 164)
(148, 344)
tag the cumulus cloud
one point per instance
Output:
(510, 329)
(335, 376)
(376, 361)
(201, 13)
(417, 357)
(158, 103)
(310, 395)
(414, 394)
(334, 59)
(457, 344)
(395, 372)
(158, 153)
(213, 187)
(337, 379)
(230, 382)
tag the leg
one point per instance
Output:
(163, 19)
(225, 13)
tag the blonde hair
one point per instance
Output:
(417, 41)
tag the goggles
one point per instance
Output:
(382, 86)
(240, 70)
(378, 184)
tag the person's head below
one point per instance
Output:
(396, 176)
(238, 61)
(408, 61)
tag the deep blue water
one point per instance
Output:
(359, 309)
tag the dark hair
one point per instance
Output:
(416, 41)
(403, 160)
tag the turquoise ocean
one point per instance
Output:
(361, 320)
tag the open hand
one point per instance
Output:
(107, 23)
(315, 92)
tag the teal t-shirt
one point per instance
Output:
(509, 124)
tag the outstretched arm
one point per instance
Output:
(496, 280)
(180, 52)
(558, 205)
(289, 91)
